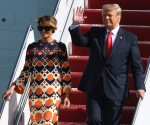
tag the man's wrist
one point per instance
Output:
(73, 26)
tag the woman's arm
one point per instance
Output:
(21, 81)
(66, 75)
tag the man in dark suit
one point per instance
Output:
(105, 79)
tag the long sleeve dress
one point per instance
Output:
(50, 78)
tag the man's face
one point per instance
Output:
(110, 19)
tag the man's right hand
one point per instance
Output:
(78, 16)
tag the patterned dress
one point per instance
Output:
(50, 78)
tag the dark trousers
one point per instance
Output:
(101, 110)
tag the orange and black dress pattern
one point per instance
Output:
(50, 78)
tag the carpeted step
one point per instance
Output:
(141, 31)
(77, 123)
(136, 17)
(83, 51)
(124, 4)
(72, 123)
(78, 98)
(127, 115)
(76, 76)
(77, 113)
(144, 48)
(79, 51)
(78, 63)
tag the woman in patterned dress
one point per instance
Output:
(47, 62)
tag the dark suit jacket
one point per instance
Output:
(114, 70)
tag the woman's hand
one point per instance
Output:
(8, 92)
(66, 101)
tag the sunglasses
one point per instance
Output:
(46, 28)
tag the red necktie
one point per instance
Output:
(108, 44)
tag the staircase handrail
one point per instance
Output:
(17, 64)
(56, 8)
(147, 71)
(23, 101)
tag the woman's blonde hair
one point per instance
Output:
(47, 21)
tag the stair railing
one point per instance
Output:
(65, 20)
(61, 13)
(12, 117)
(142, 111)
(23, 101)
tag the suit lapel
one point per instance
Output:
(101, 40)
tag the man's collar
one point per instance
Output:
(114, 31)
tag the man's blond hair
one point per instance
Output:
(112, 7)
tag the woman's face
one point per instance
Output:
(45, 31)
